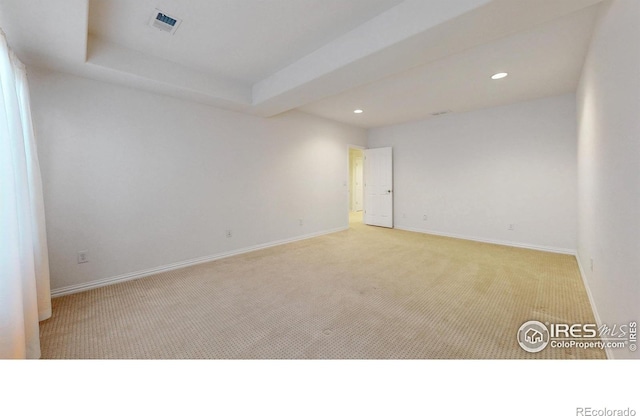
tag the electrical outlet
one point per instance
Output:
(512, 227)
(300, 222)
(424, 217)
(83, 256)
(228, 233)
(591, 264)
(404, 215)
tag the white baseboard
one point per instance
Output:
(592, 302)
(491, 241)
(81, 287)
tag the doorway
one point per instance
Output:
(356, 184)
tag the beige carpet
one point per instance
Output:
(367, 292)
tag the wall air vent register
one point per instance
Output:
(164, 22)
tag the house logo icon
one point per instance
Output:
(533, 336)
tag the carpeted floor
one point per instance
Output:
(364, 293)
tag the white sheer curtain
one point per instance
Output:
(24, 264)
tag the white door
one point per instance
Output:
(378, 187)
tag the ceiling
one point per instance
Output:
(227, 38)
(397, 60)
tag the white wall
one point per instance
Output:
(609, 166)
(475, 173)
(143, 180)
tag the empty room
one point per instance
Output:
(320, 179)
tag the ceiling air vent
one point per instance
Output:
(441, 113)
(164, 22)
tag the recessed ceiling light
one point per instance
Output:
(499, 75)
(358, 111)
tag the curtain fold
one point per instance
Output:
(24, 266)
